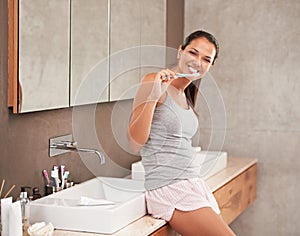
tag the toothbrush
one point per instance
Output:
(188, 75)
(66, 175)
(62, 172)
(45, 173)
(181, 75)
(64, 179)
(54, 175)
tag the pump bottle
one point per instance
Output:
(24, 201)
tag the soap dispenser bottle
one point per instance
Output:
(24, 202)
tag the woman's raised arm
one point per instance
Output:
(150, 93)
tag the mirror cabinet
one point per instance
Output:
(89, 56)
(64, 53)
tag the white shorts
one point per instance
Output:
(185, 195)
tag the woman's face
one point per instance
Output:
(198, 56)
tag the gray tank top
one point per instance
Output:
(168, 156)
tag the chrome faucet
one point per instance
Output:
(59, 146)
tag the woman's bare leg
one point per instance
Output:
(203, 221)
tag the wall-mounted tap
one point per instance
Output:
(64, 144)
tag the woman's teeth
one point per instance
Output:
(193, 70)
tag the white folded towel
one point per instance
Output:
(86, 201)
(41, 229)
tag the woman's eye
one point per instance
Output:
(192, 52)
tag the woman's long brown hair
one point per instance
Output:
(191, 92)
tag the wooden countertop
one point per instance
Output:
(147, 224)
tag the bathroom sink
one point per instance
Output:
(209, 162)
(112, 204)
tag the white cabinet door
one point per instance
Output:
(134, 24)
(89, 51)
(125, 40)
(153, 35)
(44, 54)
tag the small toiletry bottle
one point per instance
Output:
(35, 194)
(24, 201)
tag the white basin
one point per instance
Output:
(64, 211)
(209, 162)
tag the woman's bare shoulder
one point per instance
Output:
(149, 77)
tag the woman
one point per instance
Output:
(161, 128)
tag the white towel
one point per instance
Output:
(41, 229)
(86, 201)
(11, 218)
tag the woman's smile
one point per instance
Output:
(193, 69)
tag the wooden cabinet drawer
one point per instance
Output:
(235, 196)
